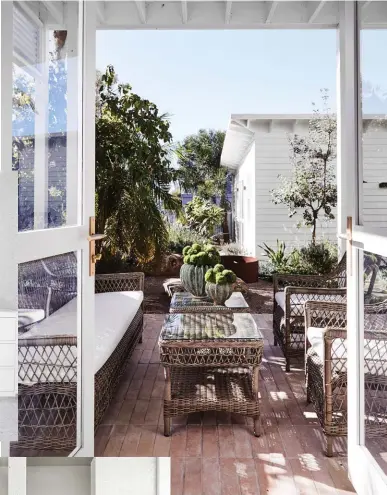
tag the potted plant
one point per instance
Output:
(219, 286)
(197, 260)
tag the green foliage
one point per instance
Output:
(278, 257)
(203, 216)
(313, 259)
(198, 255)
(218, 275)
(199, 169)
(133, 171)
(312, 190)
(180, 236)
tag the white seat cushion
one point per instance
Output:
(375, 351)
(114, 312)
(27, 317)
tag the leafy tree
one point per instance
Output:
(203, 216)
(312, 185)
(133, 171)
(200, 171)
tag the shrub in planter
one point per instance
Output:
(197, 260)
(219, 286)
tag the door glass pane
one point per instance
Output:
(373, 183)
(46, 113)
(47, 321)
(375, 356)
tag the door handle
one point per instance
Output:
(92, 238)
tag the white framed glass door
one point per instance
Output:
(367, 261)
(47, 200)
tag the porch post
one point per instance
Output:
(347, 112)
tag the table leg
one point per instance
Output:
(167, 397)
(255, 387)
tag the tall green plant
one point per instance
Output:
(203, 216)
(133, 170)
(199, 169)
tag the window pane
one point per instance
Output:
(45, 117)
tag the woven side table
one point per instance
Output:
(184, 302)
(211, 363)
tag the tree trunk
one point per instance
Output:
(226, 232)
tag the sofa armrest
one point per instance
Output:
(116, 282)
(296, 298)
(48, 359)
(282, 280)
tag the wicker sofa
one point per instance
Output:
(48, 347)
(326, 367)
(290, 294)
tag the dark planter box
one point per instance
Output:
(244, 267)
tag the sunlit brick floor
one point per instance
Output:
(217, 454)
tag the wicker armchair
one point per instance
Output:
(326, 367)
(47, 412)
(290, 294)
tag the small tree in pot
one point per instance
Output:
(197, 260)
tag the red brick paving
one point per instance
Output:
(216, 453)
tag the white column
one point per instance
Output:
(347, 121)
(86, 309)
(17, 476)
(41, 136)
(74, 113)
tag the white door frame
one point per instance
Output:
(366, 475)
(26, 246)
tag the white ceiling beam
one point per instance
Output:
(100, 12)
(184, 12)
(315, 10)
(141, 9)
(228, 13)
(56, 10)
(271, 11)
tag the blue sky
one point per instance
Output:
(201, 77)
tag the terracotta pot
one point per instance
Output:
(244, 267)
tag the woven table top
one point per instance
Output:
(230, 327)
(184, 302)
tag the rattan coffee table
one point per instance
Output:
(211, 362)
(184, 302)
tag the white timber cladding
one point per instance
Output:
(265, 222)
(245, 181)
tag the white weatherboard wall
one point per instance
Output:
(125, 476)
(58, 480)
(272, 221)
(245, 182)
(265, 222)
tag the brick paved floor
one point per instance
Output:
(214, 453)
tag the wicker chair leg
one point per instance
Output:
(140, 339)
(329, 451)
(167, 426)
(275, 341)
(257, 426)
(287, 367)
